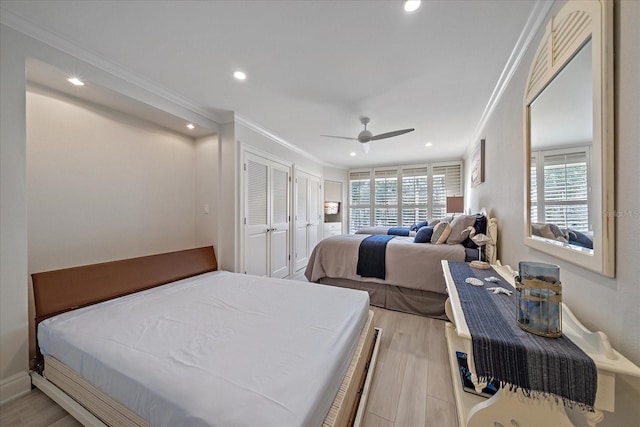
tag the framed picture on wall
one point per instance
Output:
(477, 165)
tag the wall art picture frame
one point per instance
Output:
(477, 165)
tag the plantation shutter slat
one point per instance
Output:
(386, 198)
(415, 195)
(359, 200)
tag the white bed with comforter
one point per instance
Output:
(413, 283)
(217, 349)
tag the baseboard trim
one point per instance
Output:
(14, 387)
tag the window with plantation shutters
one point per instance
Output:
(359, 200)
(446, 181)
(415, 195)
(385, 198)
(401, 196)
(561, 190)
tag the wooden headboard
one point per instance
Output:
(58, 291)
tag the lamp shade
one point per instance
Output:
(455, 204)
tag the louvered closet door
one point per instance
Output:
(302, 212)
(256, 216)
(279, 235)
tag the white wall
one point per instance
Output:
(228, 250)
(103, 186)
(15, 49)
(13, 220)
(207, 191)
(610, 305)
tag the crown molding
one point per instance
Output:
(533, 24)
(275, 138)
(67, 46)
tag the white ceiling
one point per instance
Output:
(314, 67)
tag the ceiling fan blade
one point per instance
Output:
(391, 134)
(340, 137)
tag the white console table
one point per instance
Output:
(509, 408)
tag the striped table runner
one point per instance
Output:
(501, 350)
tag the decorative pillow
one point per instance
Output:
(440, 233)
(578, 238)
(548, 231)
(434, 222)
(460, 228)
(418, 226)
(424, 235)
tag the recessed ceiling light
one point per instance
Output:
(428, 144)
(191, 126)
(411, 5)
(352, 154)
(239, 75)
(75, 81)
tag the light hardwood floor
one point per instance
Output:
(411, 385)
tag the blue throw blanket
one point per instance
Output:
(398, 231)
(372, 256)
(503, 351)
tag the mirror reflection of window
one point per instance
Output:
(561, 140)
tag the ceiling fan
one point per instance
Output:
(366, 136)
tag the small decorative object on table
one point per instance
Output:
(539, 296)
(481, 265)
(480, 240)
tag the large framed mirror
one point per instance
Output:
(569, 182)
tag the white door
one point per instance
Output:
(302, 212)
(256, 259)
(279, 231)
(314, 214)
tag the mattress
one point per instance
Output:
(216, 349)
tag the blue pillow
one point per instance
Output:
(418, 226)
(423, 235)
(580, 239)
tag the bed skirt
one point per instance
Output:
(413, 301)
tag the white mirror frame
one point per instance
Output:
(567, 31)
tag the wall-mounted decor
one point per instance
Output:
(569, 127)
(477, 165)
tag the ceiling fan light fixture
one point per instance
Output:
(365, 147)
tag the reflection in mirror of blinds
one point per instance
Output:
(401, 196)
(560, 195)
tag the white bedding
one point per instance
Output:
(221, 349)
